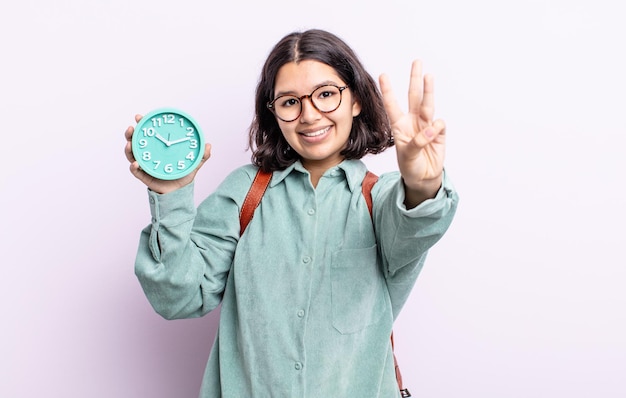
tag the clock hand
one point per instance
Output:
(163, 140)
(179, 141)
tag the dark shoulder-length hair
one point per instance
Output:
(370, 133)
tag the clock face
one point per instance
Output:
(168, 144)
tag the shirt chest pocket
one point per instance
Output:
(357, 290)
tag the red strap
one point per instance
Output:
(397, 368)
(366, 187)
(253, 198)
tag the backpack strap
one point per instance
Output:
(253, 198)
(404, 392)
(366, 187)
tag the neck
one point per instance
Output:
(316, 174)
(317, 169)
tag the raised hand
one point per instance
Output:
(156, 185)
(419, 140)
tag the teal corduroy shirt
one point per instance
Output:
(309, 292)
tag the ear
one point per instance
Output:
(356, 108)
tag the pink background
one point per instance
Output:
(524, 297)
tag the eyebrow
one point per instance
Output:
(324, 83)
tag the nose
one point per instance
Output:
(309, 111)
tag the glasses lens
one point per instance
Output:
(326, 98)
(287, 107)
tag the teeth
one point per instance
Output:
(316, 133)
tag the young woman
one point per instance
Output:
(310, 291)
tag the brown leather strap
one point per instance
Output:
(366, 187)
(253, 198)
(404, 392)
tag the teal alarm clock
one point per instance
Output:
(168, 144)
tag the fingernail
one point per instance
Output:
(429, 132)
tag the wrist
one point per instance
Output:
(418, 191)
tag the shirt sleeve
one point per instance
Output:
(185, 254)
(405, 236)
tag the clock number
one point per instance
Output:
(146, 155)
(182, 122)
(190, 131)
(169, 119)
(190, 156)
(181, 165)
(157, 163)
(193, 144)
(156, 122)
(143, 143)
(148, 132)
(168, 168)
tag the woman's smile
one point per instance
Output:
(316, 133)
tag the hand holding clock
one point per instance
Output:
(164, 165)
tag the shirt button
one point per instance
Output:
(298, 366)
(154, 220)
(306, 259)
(311, 212)
(300, 313)
(152, 200)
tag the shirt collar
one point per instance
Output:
(353, 169)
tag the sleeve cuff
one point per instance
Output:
(429, 206)
(172, 208)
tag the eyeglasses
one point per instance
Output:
(324, 98)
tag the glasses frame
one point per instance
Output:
(270, 105)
